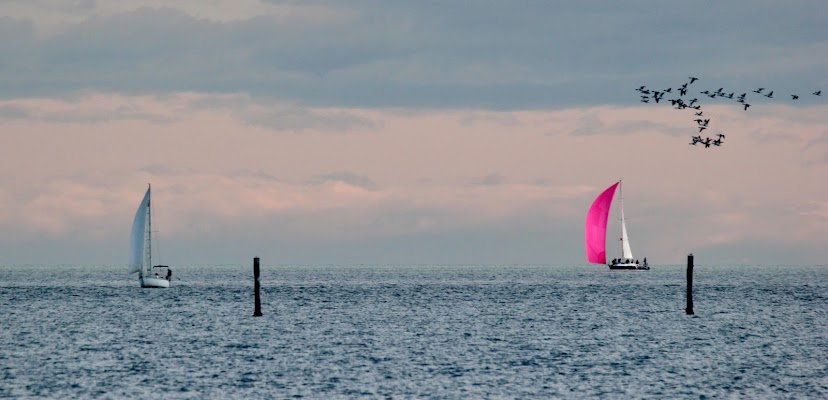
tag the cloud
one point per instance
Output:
(299, 119)
(251, 174)
(489, 180)
(530, 55)
(506, 120)
(281, 116)
(820, 139)
(417, 180)
(88, 108)
(589, 125)
(632, 120)
(272, 114)
(13, 112)
(349, 178)
(158, 170)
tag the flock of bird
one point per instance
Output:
(702, 122)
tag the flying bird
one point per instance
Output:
(704, 123)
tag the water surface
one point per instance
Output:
(402, 331)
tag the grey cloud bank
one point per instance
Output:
(497, 55)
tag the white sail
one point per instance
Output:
(139, 239)
(625, 240)
(626, 252)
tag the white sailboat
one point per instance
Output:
(141, 249)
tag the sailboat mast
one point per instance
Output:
(621, 207)
(149, 232)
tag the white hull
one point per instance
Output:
(629, 265)
(154, 282)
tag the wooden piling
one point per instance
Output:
(689, 309)
(257, 312)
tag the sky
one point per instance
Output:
(402, 132)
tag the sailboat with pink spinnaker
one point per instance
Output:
(595, 233)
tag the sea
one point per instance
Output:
(415, 332)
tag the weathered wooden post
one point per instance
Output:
(689, 308)
(256, 287)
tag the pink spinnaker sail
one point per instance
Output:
(595, 232)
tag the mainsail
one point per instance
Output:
(626, 252)
(596, 226)
(139, 239)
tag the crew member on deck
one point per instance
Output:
(169, 274)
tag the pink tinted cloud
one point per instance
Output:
(85, 163)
